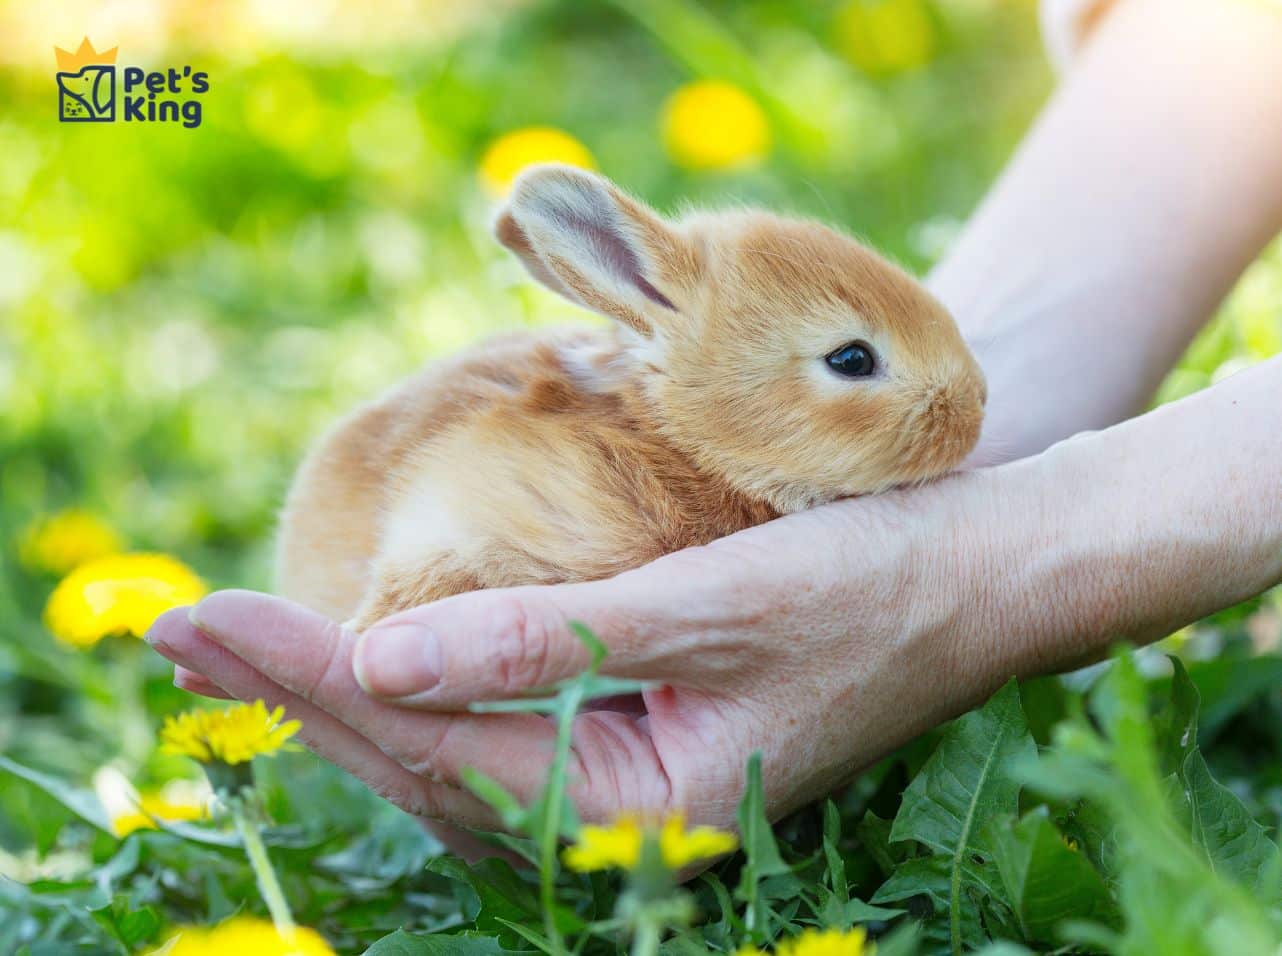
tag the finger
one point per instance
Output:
(614, 763)
(174, 637)
(309, 655)
(618, 769)
(197, 684)
(497, 644)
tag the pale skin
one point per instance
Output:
(828, 637)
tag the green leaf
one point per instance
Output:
(1228, 685)
(585, 686)
(874, 835)
(904, 941)
(758, 835)
(522, 847)
(857, 911)
(402, 943)
(762, 861)
(537, 703)
(1175, 725)
(514, 816)
(836, 865)
(1172, 901)
(682, 945)
(130, 926)
(1046, 880)
(502, 893)
(928, 877)
(921, 876)
(532, 936)
(729, 921)
(594, 686)
(1045, 701)
(83, 803)
(965, 785)
(1222, 828)
(595, 646)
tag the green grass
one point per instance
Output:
(182, 310)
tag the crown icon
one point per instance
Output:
(85, 56)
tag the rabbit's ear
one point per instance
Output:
(580, 236)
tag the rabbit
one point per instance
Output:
(755, 366)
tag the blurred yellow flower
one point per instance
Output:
(243, 936)
(62, 541)
(155, 806)
(827, 942)
(817, 942)
(883, 37)
(233, 735)
(711, 125)
(619, 844)
(506, 156)
(598, 848)
(119, 594)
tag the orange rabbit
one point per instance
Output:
(756, 366)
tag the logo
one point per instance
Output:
(87, 90)
(86, 84)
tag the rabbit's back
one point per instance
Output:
(531, 459)
(332, 521)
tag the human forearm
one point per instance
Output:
(819, 640)
(1151, 181)
(1131, 533)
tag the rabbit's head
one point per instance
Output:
(784, 356)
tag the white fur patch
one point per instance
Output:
(424, 520)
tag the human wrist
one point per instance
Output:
(1128, 534)
(1085, 554)
(956, 541)
(1054, 560)
(1033, 558)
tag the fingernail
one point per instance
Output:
(198, 619)
(397, 660)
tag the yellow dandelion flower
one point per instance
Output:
(63, 541)
(711, 125)
(619, 845)
(244, 936)
(827, 942)
(119, 594)
(234, 735)
(681, 847)
(129, 811)
(155, 806)
(820, 942)
(883, 37)
(598, 848)
(506, 156)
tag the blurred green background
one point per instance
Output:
(181, 310)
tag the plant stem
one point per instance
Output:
(268, 885)
(645, 936)
(131, 685)
(554, 799)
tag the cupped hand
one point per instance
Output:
(822, 640)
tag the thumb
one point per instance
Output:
(488, 645)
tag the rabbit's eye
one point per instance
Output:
(853, 360)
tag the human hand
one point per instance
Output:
(822, 640)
